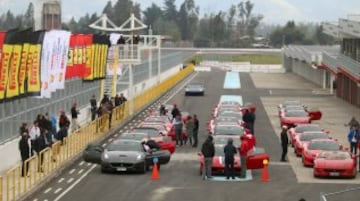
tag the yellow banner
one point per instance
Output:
(34, 84)
(96, 60)
(12, 89)
(103, 62)
(22, 69)
(4, 71)
(89, 70)
(70, 61)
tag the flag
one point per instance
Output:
(89, 70)
(7, 50)
(12, 87)
(23, 61)
(33, 63)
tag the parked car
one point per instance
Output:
(314, 147)
(305, 138)
(335, 164)
(195, 89)
(300, 128)
(294, 117)
(124, 155)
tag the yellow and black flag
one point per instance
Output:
(33, 63)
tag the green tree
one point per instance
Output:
(28, 19)
(108, 10)
(321, 38)
(170, 11)
(152, 14)
(122, 10)
(289, 34)
(248, 22)
(188, 19)
(167, 27)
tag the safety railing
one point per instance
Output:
(25, 176)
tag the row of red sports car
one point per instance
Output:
(227, 123)
(314, 144)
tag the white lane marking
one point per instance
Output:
(81, 163)
(46, 200)
(70, 180)
(35, 199)
(279, 163)
(74, 184)
(58, 190)
(88, 164)
(181, 88)
(80, 171)
(131, 127)
(103, 145)
(116, 135)
(72, 171)
(110, 139)
(270, 92)
(121, 131)
(47, 190)
(61, 180)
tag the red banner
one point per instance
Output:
(89, 71)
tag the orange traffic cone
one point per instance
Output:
(155, 172)
(265, 173)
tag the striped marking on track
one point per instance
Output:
(58, 190)
(70, 180)
(71, 171)
(81, 163)
(80, 171)
(61, 180)
(47, 190)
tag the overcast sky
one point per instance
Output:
(274, 11)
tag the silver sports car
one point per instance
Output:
(123, 155)
(195, 88)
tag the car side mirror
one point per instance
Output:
(99, 149)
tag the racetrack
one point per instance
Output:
(180, 180)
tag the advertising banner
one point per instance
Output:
(33, 67)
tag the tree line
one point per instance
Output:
(238, 27)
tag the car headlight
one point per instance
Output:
(106, 156)
(139, 157)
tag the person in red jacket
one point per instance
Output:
(245, 147)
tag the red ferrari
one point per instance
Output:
(294, 117)
(159, 119)
(306, 137)
(300, 128)
(222, 119)
(171, 133)
(229, 129)
(335, 164)
(254, 160)
(223, 140)
(314, 147)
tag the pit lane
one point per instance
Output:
(180, 180)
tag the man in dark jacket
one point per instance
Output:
(175, 111)
(252, 122)
(284, 143)
(230, 152)
(93, 107)
(41, 144)
(247, 119)
(208, 151)
(24, 152)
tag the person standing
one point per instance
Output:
(208, 151)
(178, 125)
(175, 111)
(34, 134)
(64, 124)
(247, 120)
(117, 101)
(230, 152)
(93, 107)
(284, 143)
(162, 110)
(122, 98)
(74, 117)
(190, 129)
(110, 107)
(243, 150)
(352, 123)
(252, 121)
(42, 143)
(354, 139)
(24, 152)
(196, 130)
(23, 129)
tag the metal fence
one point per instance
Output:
(15, 112)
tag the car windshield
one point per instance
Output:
(219, 151)
(237, 115)
(324, 145)
(334, 155)
(226, 120)
(137, 136)
(231, 109)
(124, 145)
(305, 128)
(297, 113)
(195, 85)
(156, 126)
(224, 141)
(152, 132)
(230, 103)
(228, 130)
(294, 107)
(288, 103)
(311, 136)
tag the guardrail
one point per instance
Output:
(23, 177)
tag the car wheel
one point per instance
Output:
(143, 169)
(103, 170)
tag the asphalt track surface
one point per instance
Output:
(180, 180)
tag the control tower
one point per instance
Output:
(47, 14)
